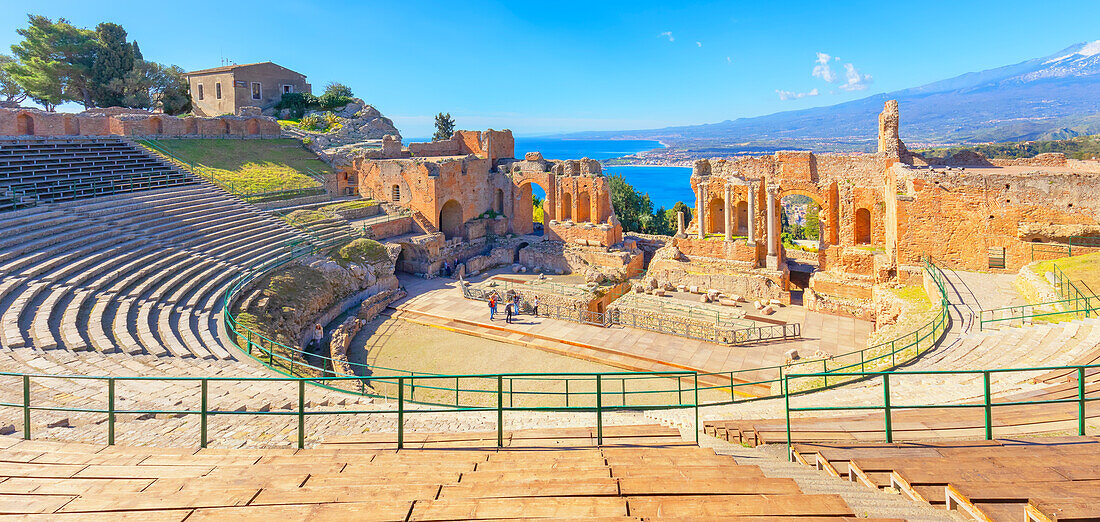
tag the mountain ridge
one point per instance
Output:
(1051, 97)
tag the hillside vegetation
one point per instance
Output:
(1081, 147)
(252, 166)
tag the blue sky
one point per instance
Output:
(542, 67)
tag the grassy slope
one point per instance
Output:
(1080, 147)
(1078, 268)
(253, 165)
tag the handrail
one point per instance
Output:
(1072, 301)
(987, 403)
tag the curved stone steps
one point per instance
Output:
(43, 249)
(69, 323)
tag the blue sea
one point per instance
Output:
(665, 185)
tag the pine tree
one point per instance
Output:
(10, 90)
(55, 62)
(114, 60)
(444, 127)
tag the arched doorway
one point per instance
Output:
(24, 124)
(253, 128)
(450, 219)
(862, 227)
(743, 218)
(566, 206)
(531, 214)
(156, 126)
(584, 208)
(716, 216)
(498, 202)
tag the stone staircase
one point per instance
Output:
(141, 273)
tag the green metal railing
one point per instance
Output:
(287, 190)
(551, 392)
(987, 404)
(1075, 245)
(1073, 303)
(598, 400)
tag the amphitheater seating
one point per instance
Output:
(1044, 479)
(1063, 344)
(62, 169)
(532, 479)
(140, 272)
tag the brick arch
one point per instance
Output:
(253, 127)
(24, 124)
(451, 219)
(861, 226)
(523, 208)
(566, 206)
(716, 215)
(584, 207)
(155, 126)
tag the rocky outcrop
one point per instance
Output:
(361, 126)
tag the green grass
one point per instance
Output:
(1077, 268)
(915, 296)
(303, 217)
(361, 251)
(350, 205)
(252, 166)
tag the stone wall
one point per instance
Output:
(342, 336)
(133, 123)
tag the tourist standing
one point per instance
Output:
(515, 302)
(508, 313)
(492, 306)
(535, 308)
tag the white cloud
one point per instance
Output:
(822, 69)
(855, 80)
(728, 60)
(700, 44)
(667, 34)
(791, 95)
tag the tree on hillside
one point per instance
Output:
(635, 211)
(55, 61)
(10, 90)
(444, 127)
(671, 216)
(338, 89)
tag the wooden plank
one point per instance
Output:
(480, 509)
(715, 506)
(759, 486)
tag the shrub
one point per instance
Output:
(329, 101)
(338, 89)
(332, 121)
(310, 122)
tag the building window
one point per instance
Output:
(395, 193)
(200, 91)
(287, 89)
(218, 90)
(257, 91)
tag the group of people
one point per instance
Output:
(511, 308)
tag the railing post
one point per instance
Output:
(111, 411)
(988, 407)
(696, 375)
(202, 414)
(825, 371)
(733, 398)
(456, 392)
(622, 383)
(301, 414)
(26, 407)
(566, 393)
(249, 340)
(886, 406)
(500, 411)
(401, 411)
(1081, 401)
(787, 410)
(599, 410)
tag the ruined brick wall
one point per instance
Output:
(131, 122)
(957, 215)
(585, 233)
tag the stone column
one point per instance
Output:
(700, 210)
(773, 235)
(728, 215)
(680, 224)
(752, 214)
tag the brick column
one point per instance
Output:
(700, 213)
(728, 214)
(752, 214)
(773, 236)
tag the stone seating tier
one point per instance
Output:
(141, 272)
(74, 168)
